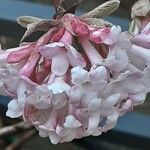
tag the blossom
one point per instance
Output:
(64, 52)
(143, 39)
(77, 79)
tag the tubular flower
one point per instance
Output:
(76, 80)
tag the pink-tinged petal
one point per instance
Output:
(5, 53)
(97, 74)
(12, 88)
(96, 37)
(74, 57)
(99, 86)
(3, 90)
(138, 98)
(51, 123)
(67, 38)
(14, 110)
(30, 65)
(59, 87)
(79, 76)
(80, 28)
(126, 83)
(52, 77)
(76, 93)
(91, 52)
(66, 134)
(112, 118)
(71, 122)
(117, 59)
(95, 105)
(124, 41)
(59, 64)
(59, 100)
(16, 66)
(141, 53)
(88, 95)
(96, 132)
(50, 50)
(39, 101)
(43, 90)
(30, 84)
(146, 30)
(43, 71)
(43, 134)
(54, 138)
(94, 116)
(111, 100)
(99, 35)
(94, 120)
(111, 121)
(20, 55)
(146, 79)
(57, 35)
(115, 36)
(35, 116)
(46, 38)
(110, 40)
(142, 40)
(21, 94)
(127, 106)
(67, 19)
(115, 31)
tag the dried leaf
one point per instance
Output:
(141, 8)
(71, 9)
(103, 10)
(42, 25)
(96, 22)
(135, 26)
(25, 20)
(57, 3)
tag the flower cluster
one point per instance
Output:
(77, 79)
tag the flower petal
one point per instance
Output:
(79, 75)
(14, 109)
(71, 122)
(59, 64)
(75, 58)
(50, 50)
(111, 100)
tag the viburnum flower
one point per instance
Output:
(77, 79)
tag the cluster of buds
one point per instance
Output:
(77, 79)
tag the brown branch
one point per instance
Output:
(21, 140)
(143, 106)
(12, 129)
(57, 3)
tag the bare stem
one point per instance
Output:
(144, 106)
(12, 129)
(57, 3)
(21, 140)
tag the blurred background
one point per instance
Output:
(10, 35)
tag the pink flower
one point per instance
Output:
(76, 80)
(63, 52)
(143, 39)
